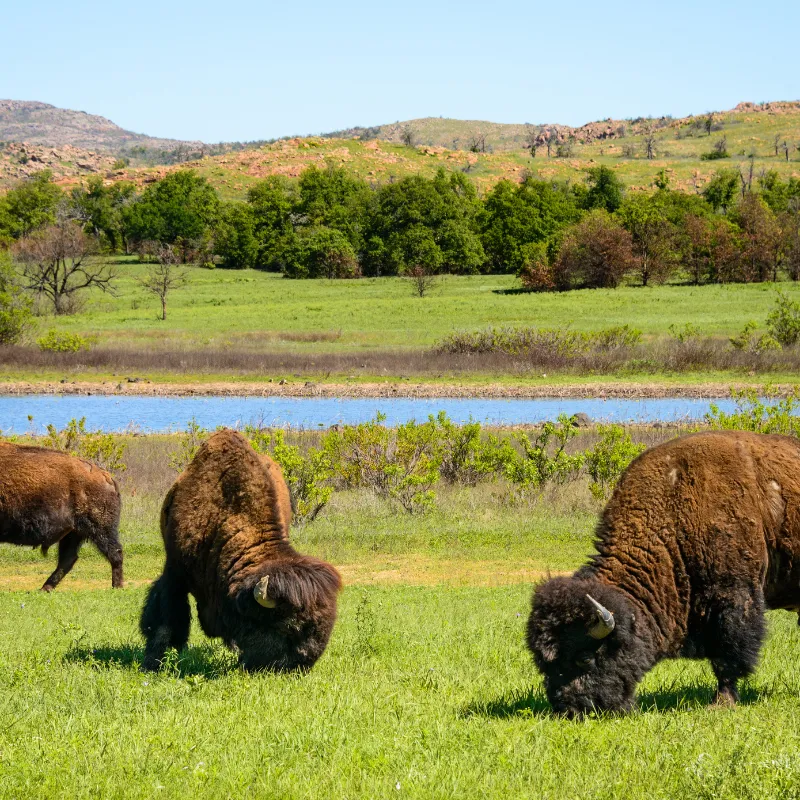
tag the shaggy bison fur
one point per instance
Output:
(700, 537)
(225, 524)
(48, 497)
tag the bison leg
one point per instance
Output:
(737, 633)
(67, 556)
(165, 618)
(112, 550)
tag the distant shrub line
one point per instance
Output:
(405, 464)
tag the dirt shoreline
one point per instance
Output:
(300, 388)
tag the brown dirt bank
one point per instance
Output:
(388, 389)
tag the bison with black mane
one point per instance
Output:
(701, 536)
(225, 524)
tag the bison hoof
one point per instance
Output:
(47, 588)
(726, 698)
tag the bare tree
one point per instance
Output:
(777, 143)
(649, 142)
(786, 149)
(163, 276)
(408, 137)
(477, 143)
(58, 262)
(422, 280)
(708, 124)
(746, 178)
(532, 140)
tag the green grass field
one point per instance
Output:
(255, 312)
(425, 691)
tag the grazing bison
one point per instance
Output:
(48, 497)
(225, 524)
(700, 537)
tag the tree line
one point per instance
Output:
(332, 224)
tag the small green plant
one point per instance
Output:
(543, 459)
(399, 464)
(188, 445)
(749, 341)
(783, 322)
(608, 459)
(684, 333)
(754, 414)
(308, 475)
(62, 342)
(466, 457)
(103, 449)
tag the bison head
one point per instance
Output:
(586, 641)
(282, 618)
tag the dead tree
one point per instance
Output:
(59, 261)
(777, 143)
(477, 143)
(163, 276)
(649, 143)
(422, 280)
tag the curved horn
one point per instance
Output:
(605, 620)
(260, 593)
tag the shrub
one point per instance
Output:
(16, 307)
(399, 464)
(684, 333)
(597, 252)
(466, 457)
(188, 446)
(307, 475)
(62, 342)
(783, 322)
(100, 448)
(533, 467)
(753, 414)
(750, 342)
(607, 460)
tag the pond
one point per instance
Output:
(156, 414)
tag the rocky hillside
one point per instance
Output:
(48, 126)
(483, 136)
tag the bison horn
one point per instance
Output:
(260, 593)
(605, 620)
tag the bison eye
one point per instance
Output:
(585, 662)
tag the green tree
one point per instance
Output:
(418, 222)
(321, 253)
(515, 215)
(333, 198)
(29, 205)
(721, 190)
(234, 239)
(604, 189)
(272, 202)
(16, 315)
(99, 208)
(180, 208)
(645, 218)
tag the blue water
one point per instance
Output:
(113, 413)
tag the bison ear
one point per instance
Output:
(260, 593)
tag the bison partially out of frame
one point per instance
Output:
(225, 524)
(48, 497)
(700, 537)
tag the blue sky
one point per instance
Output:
(256, 70)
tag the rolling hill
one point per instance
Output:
(73, 144)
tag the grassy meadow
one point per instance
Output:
(425, 691)
(229, 325)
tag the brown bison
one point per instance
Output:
(225, 524)
(48, 497)
(700, 537)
